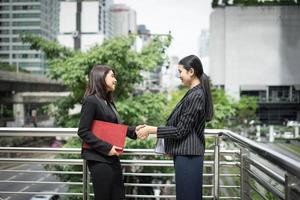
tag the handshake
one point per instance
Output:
(143, 131)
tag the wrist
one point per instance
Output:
(153, 130)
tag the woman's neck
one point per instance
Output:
(195, 82)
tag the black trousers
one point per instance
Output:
(188, 177)
(107, 180)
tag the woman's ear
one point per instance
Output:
(192, 72)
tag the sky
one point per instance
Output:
(184, 18)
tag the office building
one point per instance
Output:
(254, 50)
(19, 17)
(123, 20)
(95, 23)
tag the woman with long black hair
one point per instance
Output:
(102, 158)
(183, 135)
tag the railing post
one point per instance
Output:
(245, 179)
(85, 180)
(291, 183)
(216, 168)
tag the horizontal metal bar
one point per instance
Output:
(46, 172)
(265, 184)
(166, 163)
(229, 197)
(284, 162)
(59, 193)
(70, 132)
(37, 132)
(78, 150)
(157, 185)
(268, 171)
(150, 196)
(44, 161)
(229, 186)
(42, 182)
(230, 175)
(39, 150)
(149, 185)
(150, 174)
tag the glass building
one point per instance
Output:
(26, 16)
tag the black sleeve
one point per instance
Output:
(191, 107)
(88, 112)
(131, 132)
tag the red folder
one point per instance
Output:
(112, 133)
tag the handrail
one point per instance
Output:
(279, 159)
(290, 167)
(283, 161)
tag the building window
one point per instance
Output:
(279, 93)
(26, 15)
(4, 48)
(26, 31)
(27, 7)
(4, 7)
(296, 95)
(4, 15)
(4, 24)
(29, 64)
(26, 0)
(21, 47)
(260, 94)
(4, 56)
(4, 31)
(4, 39)
(37, 23)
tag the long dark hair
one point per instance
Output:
(194, 62)
(96, 83)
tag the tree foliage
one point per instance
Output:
(72, 67)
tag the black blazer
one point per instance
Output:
(184, 131)
(94, 108)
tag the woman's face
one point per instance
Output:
(185, 75)
(110, 81)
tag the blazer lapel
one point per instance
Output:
(182, 100)
(112, 106)
(115, 111)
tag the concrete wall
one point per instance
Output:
(255, 46)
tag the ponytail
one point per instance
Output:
(209, 110)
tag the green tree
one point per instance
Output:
(223, 109)
(72, 68)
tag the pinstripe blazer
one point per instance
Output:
(184, 131)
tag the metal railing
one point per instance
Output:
(234, 168)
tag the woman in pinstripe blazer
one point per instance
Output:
(184, 132)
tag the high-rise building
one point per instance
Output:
(254, 51)
(95, 23)
(123, 20)
(18, 17)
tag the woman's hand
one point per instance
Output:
(114, 151)
(145, 130)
